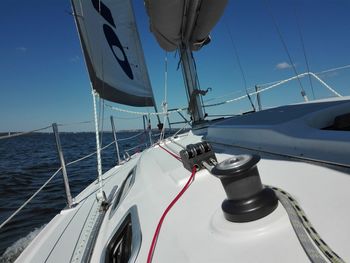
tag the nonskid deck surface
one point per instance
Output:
(195, 229)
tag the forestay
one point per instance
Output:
(113, 51)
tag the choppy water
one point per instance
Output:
(27, 162)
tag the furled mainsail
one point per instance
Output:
(113, 51)
(183, 21)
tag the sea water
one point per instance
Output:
(26, 162)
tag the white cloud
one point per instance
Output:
(22, 49)
(328, 74)
(283, 65)
(74, 59)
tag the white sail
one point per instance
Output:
(113, 51)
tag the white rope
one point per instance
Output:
(30, 199)
(300, 75)
(131, 137)
(325, 84)
(132, 148)
(74, 123)
(332, 69)
(180, 130)
(275, 85)
(271, 85)
(146, 113)
(81, 159)
(98, 148)
(274, 82)
(89, 155)
(317, 73)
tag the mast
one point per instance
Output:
(191, 84)
(185, 25)
(189, 71)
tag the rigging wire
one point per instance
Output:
(165, 102)
(128, 118)
(23, 133)
(279, 33)
(131, 137)
(145, 113)
(320, 73)
(48, 181)
(304, 50)
(197, 84)
(275, 85)
(239, 65)
(29, 199)
(269, 85)
(102, 108)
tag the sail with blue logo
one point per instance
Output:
(113, 51)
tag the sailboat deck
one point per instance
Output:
(195, 229)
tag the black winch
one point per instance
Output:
(247, 199)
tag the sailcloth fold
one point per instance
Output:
(113, 51)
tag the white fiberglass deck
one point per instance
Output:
(195, 229)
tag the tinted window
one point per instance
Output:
(120, 248)
(125, 244)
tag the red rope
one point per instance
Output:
(156, 234)
(172, 154)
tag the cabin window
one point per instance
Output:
(121, 249)
(340, 123)
(126, 242)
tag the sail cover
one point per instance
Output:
(187, 21)
(113, 51)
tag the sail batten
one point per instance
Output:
(112, 51)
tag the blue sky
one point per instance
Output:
(43, 78)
